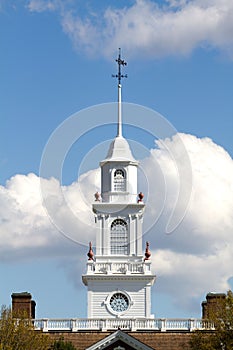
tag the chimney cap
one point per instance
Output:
(21, 294)
(215, 295)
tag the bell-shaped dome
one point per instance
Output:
(119, 150)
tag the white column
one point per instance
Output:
(98, 235)
(131, 235)
(139, 234)
(104, 236)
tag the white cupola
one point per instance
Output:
(119, 173)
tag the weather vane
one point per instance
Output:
(120, 63)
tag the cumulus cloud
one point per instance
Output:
(193, 259)
(176, 27)
(30, 228)
(197, 256)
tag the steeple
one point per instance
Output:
(119, 76)
(119, 277)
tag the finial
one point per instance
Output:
(119, 76)
(120, 63)
(147, 252)
(90, 253)
(97, 196)
(140, 197)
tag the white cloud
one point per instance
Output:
(197, 257)
(150, 30)
(188, 277)
(28, 230)
(42, 5)
(177, 27)
(177, 3)
(192, 260)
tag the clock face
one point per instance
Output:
(119, 302)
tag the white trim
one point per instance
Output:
(119, 335)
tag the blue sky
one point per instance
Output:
(57, 58)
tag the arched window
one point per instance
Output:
(119, 237)
(119, 180)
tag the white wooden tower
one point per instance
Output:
(119, 277)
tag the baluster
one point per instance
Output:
(163, 325)
(45, 325)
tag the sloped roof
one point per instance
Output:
(119, 150)
(119, 340)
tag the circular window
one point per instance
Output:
(119, 302)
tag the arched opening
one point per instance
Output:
(119, 180)
(119, 237)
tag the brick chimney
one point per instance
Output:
(211, 303)
(23, 303)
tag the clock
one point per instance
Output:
(119, 302)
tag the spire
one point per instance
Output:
(120, 63)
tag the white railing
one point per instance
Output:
(118, 267)
(157, 324)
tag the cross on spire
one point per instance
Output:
(120, 63)
(119, 76)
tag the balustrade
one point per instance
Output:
(118, 267)
(162, 325)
